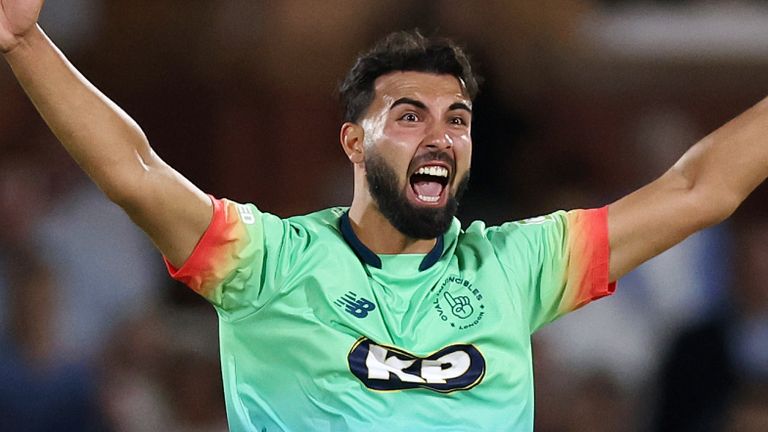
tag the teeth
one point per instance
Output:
(436, 171)
(428, 198)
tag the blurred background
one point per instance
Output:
(583, 102)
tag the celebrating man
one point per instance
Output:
(387, 315)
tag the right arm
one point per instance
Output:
(107, 144)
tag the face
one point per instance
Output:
(417, 150)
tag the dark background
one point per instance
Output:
(583, 102)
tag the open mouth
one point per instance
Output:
(429, 183)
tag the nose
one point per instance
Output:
(438, 138)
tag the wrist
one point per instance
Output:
(24, 42)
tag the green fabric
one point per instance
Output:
(302, 315)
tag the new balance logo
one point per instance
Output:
(358, 307)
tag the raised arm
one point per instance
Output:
(703, 188)
(103, 139)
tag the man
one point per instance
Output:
(385, 316)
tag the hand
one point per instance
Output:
(17, 17)
(460, 305)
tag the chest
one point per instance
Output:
(444, 332)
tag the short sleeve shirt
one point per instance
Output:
(319, 333)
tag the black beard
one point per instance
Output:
(415, 222)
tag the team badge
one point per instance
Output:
(458, 303)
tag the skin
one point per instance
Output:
(402, 132)
(107, 144)
(704, 187)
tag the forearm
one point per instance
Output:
(703, 188)
(104, 141)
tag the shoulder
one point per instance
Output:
(524, 239)
(301, 229)
(322, 226)
(523, 228)
(319, 221)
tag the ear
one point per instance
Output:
(352, 137)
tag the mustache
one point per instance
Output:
(432, 156)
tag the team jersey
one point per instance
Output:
(318, 333)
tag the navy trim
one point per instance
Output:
(360, 249)
(369, 257)
(433, 256)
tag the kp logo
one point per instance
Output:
(358, 307)
(379, 367)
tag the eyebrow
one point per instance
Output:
(419, 104)
(461, 106)
(408, 101)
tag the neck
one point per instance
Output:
(378, 235)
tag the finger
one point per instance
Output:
(449, 298)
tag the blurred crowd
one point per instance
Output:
(583, 102)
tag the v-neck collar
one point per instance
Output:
(369, 257)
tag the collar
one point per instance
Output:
(370, 258)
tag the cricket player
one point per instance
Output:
(388, 315)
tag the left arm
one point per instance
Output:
(702, 189)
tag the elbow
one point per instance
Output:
(122, 193)
(118, 194)
(708, 200)
(712, 206)
(125, 183)
(125, 187)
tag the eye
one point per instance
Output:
(409, 117)
(458, 121)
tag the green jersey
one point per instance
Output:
(318, 333)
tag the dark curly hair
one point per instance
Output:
(403, 51)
